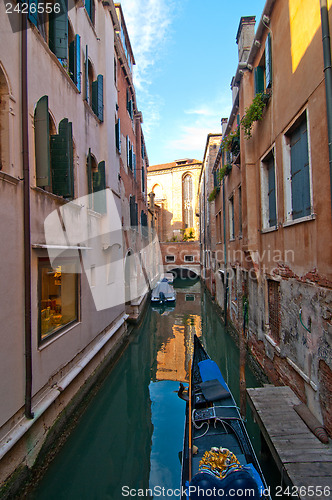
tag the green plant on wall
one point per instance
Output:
(254, 112)
(225, 170)
(213, 194)
(231, 140)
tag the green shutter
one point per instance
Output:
(143, 180)
(301, 203)
(89, 171)
(97, 97)
(272, 193)
(118, 135)
(268, 62)
(62, 161)
(259, 80)
(58, 31)
(33, 11)
(42, 143)
(75, 61)
(86, 74)
(134, 164)
(99, 186)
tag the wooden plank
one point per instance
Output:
(299, 455)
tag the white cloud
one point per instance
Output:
(148, 23)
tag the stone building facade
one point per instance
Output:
(175, 186)
(273, 202)
(63, 193)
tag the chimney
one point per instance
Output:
(245, 37)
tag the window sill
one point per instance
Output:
(54, 57)
(269, 229)
(298, 221)
(9, 178)
(92, 113)
(53, 337)
(231, 239)
(54, 197)
(272, 342)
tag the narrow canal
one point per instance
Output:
(131, 433)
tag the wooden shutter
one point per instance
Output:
(75, 61)
(33, 16)
(89, 171)
(134, 164)
(272, 193)
(58, 31)
(259, 80)
(143, 180)
(268, 62)
(42, 143)
(97, 97)
(99, 186)
(118, 135)
(301, 203)
(62, 161)
(132, 211)
(128, 149)
(86, 74)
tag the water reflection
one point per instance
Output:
(132, 431)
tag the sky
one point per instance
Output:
(186, 55)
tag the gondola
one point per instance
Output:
(218, 460)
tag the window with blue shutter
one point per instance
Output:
(134, 164)
(62, 161)
(268, 62)
(58, 31)
(33, 11)
(259, 79)
(118, 135)
(75, 61)
(300, 179)
(42, 143)
(97, 98)
(99, 187)
(271, 191)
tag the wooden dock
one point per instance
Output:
(301, 458)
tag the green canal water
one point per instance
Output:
(131, 433)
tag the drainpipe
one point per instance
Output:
(225, 253)
(26, 219)
(328, 78)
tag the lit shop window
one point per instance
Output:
(58, 298)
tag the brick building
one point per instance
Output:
(273, 201)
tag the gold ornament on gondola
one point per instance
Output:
(219, 461)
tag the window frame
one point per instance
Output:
(42, 263)
(265, 207)
(169, 258)
(288, 204)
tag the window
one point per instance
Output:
(263, 72)
(118, 136)
(144, 224)
(58, 31)
(170, 258)
(96, 184)
(130, 107)
(268, 192)
(240, 211)
(131, 156)
(231, 218)
(274, 309)
(188, 214)
(74, 63)
(54, 152)
(133, 208)
(57, 297)
(143, 179)
(189, 258)
(190, 298)
(90, 8)
(94, 89)
(297, 170)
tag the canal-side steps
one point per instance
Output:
(302, 459)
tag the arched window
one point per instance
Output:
(187, 201)
(158, 192)
(53, 152)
